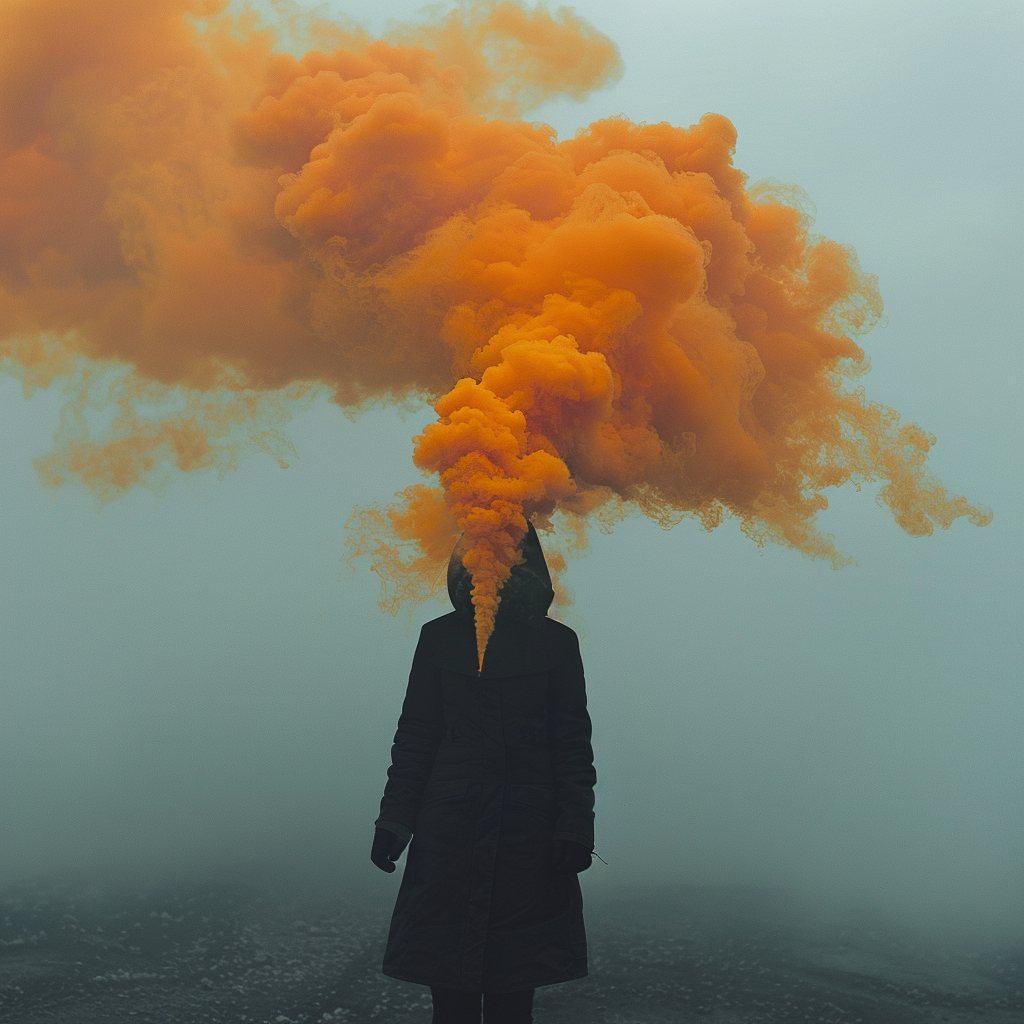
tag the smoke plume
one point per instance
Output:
(199, 229)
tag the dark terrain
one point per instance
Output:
(280, 952)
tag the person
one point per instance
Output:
(492, 778)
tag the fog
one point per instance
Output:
(197, 680)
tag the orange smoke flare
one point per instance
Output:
(198, 229)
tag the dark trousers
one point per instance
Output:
(451, 1007)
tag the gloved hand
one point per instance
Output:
(569, 858)
(386, 849)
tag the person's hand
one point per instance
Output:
(569, 858)
(386, 849)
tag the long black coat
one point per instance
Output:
(487, 769)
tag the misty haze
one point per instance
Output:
(809, 800)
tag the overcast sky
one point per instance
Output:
(198, 676)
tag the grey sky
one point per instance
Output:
(197, 676)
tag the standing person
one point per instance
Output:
(492, 778)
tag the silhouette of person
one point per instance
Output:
(492, 778)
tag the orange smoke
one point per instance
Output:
(197, 229)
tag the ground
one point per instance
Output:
(268, 951)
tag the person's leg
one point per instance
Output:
(451, 1007)
(508, 1007)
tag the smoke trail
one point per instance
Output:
(199, 229)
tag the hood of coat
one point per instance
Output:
(527, 593)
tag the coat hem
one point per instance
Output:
(419, 979)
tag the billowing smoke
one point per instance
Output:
(200, 229)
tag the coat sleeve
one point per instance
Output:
(419, 734)
(571, 753)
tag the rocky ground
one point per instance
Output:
(272, 952)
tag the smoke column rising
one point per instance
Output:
(200, 229)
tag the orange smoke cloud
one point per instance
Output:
(198, 229)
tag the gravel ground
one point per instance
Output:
(275, 952)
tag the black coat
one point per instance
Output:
(487, 769)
